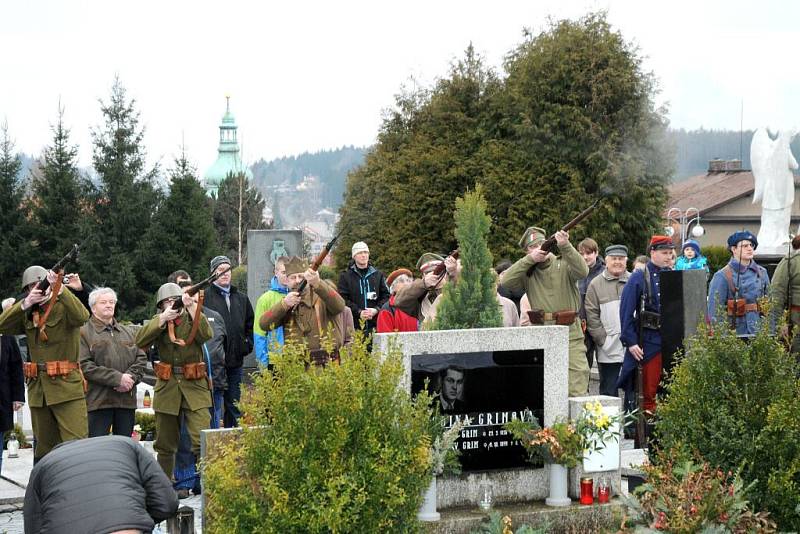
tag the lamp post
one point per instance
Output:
(685, 220)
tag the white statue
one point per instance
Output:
(773, 163)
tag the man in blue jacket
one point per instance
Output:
(278, 288)
(363, 289)
(644, 350)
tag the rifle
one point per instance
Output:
(40, 320)
(640, 426)
(736, 293)
(440, 269)
(550, 242)
(193, 290)
(319, 259)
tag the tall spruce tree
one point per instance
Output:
(182, 234)
(57, 197)
(472, 301)
(13, 245)
(239, 207)
(124, 204)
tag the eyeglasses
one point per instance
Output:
(745, 244)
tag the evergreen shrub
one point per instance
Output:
(239, 278)
(735, 403)
(334, 450)
(717, 257)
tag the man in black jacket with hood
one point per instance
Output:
(363, 288)
(237, 312)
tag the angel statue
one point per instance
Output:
(773, 163)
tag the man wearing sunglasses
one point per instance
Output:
(736, 288)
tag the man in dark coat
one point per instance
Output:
(12, 385)
(237, 312)
(106, 484)
(363, 288)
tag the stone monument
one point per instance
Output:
(263, 248)
(772, 162)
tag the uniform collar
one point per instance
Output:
(738, 267)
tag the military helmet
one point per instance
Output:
(168, 290)
(34, 273)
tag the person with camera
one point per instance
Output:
(640, 318)
(182, 385)
(51, 320)
(363, 288)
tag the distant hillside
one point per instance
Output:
(694, 149)
(331, 166)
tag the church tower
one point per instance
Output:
(229, 161)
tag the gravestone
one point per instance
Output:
(683, 307)
(507, 373)
(263, 248)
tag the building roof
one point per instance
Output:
(709, 191)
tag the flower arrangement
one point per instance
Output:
(443, 456)
(567, 442)
(136, 434)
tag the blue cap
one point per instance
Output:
(742, 235)
(691, 243)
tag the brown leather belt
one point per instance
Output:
(563, 317)
(54, 368)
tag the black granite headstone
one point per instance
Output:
(491, 388)
(683, 306)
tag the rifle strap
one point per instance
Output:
(195, 324)
(41, 321)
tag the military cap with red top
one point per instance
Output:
(532, 236)
(397, 272)
(428, 262)
(660, 242)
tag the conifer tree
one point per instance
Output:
(13, 244)
(124, 204)
(472, 301)
(57, 197)
(165, 248)
(239, 207)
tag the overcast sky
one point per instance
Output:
(305, 76)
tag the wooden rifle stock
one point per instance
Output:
(550, 242)
(319, 259)
(71, 256)
(440, 269)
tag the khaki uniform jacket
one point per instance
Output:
(63, 343)
(780, 290)
(108, 351)
(169, 394)
(301, 324)
(553, 285)
(416, 301)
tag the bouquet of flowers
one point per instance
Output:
(567, 442)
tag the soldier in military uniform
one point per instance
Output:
(550, 283)
(303, 315)
(55, 382)
(785, 292)
(417, 298)
(182, 383)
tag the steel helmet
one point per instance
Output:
(168, 290)
(34, 273)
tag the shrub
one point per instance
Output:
(735, 404)
(239, 278)
(339, 449)
(687, 496)
(717, 257)
(147, 424)
(326, 272)
(496, 523)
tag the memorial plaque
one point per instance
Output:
(263, 248)
(491, 388)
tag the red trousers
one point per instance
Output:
(651, 376)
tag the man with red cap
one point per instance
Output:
(645, 349)
(417, 298)
(391, 319)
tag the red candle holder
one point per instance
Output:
(603, 490)
(587, 490)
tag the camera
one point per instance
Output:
(372, 295)
(65, 280)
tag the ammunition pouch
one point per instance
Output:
(30, 370)
(561, 318)
(741, 307)
(651, 320)
(321, 357)
(60, 368)
(162, 370)
(194, 371)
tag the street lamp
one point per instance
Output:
(685, 220)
